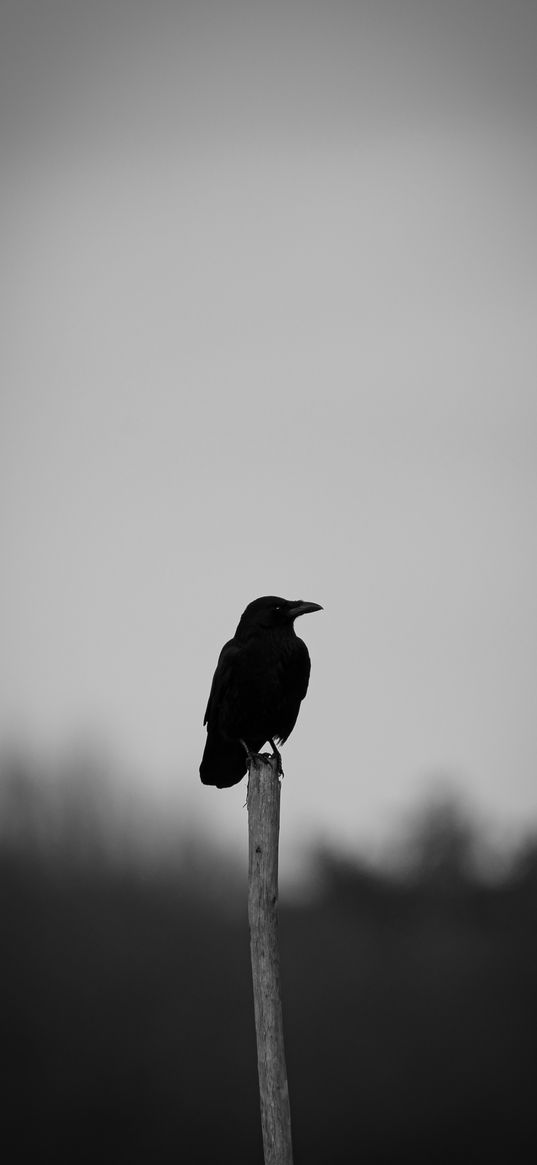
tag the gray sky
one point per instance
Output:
(269, 297)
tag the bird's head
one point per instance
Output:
(270, 612)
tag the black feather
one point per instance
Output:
(261, 678)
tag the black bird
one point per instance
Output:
(260, 680)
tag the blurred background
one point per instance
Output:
(269, 301)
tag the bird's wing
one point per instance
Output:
(221, 676)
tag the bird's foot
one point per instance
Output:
(254, 758)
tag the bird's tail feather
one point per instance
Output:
(223, 763)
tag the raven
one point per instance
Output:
(261, 678)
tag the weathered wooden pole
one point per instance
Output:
(263, 837)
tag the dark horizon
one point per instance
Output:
(83, 805)
(409, 996)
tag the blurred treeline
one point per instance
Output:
(127, 1021)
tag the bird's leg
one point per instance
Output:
(251, 757)
(250, 760)
(276, 752)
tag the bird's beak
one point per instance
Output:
(301, 608)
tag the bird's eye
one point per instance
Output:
(277, 607)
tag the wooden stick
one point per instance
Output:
(263, 835)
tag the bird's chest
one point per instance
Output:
(265, 681)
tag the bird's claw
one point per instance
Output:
(254, 758)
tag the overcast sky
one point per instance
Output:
(269, 309)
